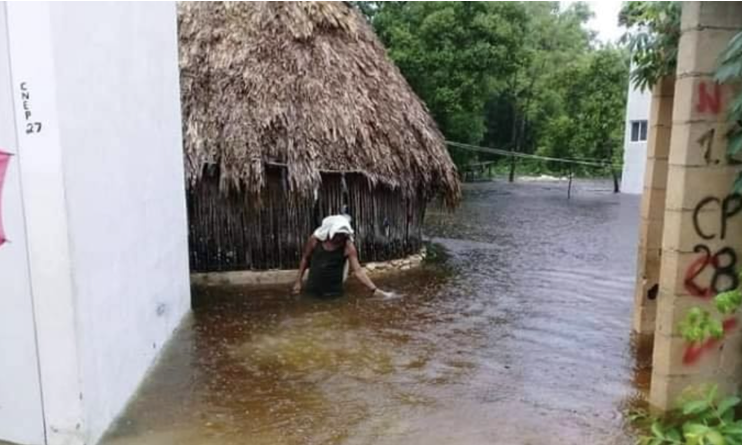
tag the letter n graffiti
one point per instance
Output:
(709, 102)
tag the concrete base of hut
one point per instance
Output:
(287, 277)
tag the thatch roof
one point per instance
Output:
(303, 84)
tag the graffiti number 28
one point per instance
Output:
(724, 276)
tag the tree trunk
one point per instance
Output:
(514, 129)
(522, 130)
(616, 179)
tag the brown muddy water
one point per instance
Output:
(521, 336)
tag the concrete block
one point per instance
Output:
(699, 50)
(648, 274)
(651, 235)
(665, 88)
(669, 352)
(683, 230)
(674, 268)
(643, 321)
(650, 170)
(661, 110)
(654, 206)
(725, 15)
(659, 140)
(731, 351)
(706, 144)
(682, 274)
(688, 186)
(646, 290)
(658, 175)
(700, 99)
(668, 319)
(653, 259)
(666, 391)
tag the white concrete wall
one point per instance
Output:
(40, 160)
(104, 199)
(635, 153)
(119, 113)
(21, 417)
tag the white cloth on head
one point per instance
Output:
(333, 225)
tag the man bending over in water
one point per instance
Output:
(326, 253)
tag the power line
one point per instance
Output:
(504, 152)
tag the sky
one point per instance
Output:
(605, 20)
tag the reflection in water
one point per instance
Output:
(521, 337)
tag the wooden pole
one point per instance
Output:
(570, 179)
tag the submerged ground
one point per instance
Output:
(521, 336)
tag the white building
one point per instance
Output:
(94, 260)
(635, 140)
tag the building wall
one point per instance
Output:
(42, 183)
(21, 418)
(120, 128)
(635, 153)
(104, 200)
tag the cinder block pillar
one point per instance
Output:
(702, 222)
(653, 207)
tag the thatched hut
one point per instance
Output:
(293, 111)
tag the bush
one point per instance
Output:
(698, 421)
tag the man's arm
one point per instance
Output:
(358, 271)
(304, 263)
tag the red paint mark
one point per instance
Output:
(693, 271)
(694, 351)
(4, 161)
(709, 102)
(729, 324)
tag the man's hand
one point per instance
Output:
(297, 288)
(382, 294)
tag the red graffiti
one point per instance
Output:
(4, 161)
(709, 102)
(695, 269)
(724, 261)
(694, 351)
(724, 275)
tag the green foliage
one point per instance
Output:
(592, 111)
(451, 53)
(700, 325)
(509, 74)
(654, 29)
(700, 420)
(371, 8)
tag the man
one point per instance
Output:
(327, 253)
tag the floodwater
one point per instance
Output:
(521, 335)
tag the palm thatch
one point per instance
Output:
(307, 86)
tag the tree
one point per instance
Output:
(592, 121)
(554, 38)
(453, 54)
(505, 74)
(653, 32)
(368, 9)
